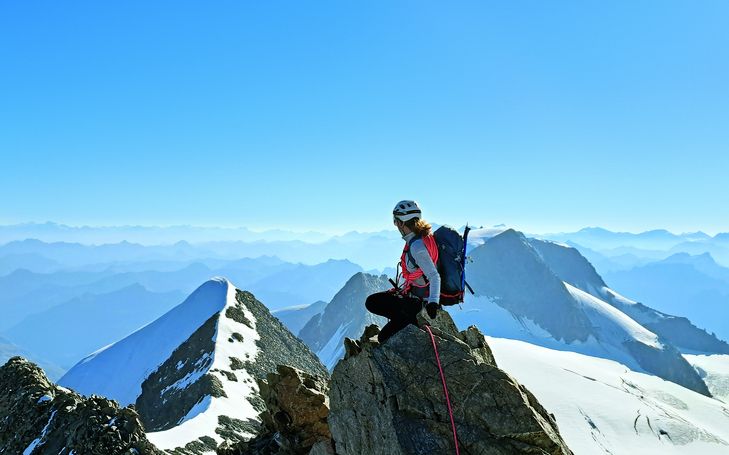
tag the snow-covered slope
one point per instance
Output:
(714, 369)
(509, 272)
(484, 313)
(477, 236)
(118, 370)
(192, 373)
(604, 408)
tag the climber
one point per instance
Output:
(421, 286)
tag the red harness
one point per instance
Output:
(410, 277)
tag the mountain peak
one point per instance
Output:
(192, 372)
(594, 230)
(705, 259)
(148, 347)
(509, 236)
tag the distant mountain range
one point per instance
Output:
(148, 235)
(695, 286)
(112, 301)
(304, 283)
(294, 318)
(659, 239)
(9, 349)
(67, 332)
(657, 244)
(368, 250)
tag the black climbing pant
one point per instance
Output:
(400, 310)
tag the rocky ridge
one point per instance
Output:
(389, 398)
(39, 417)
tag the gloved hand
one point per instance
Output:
(432, 308)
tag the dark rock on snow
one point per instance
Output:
(38, 417)
(162, 406)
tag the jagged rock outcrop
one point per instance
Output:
(389, 398)
(295, 419)
(38, 417)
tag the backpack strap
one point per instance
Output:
(409, 253)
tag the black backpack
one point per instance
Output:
(451, 264)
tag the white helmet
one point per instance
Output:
(406, 210)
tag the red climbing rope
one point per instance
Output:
(445, 388)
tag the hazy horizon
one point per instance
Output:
(323, 231)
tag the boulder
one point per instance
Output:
(295, 419)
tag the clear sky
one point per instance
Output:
(545, 115)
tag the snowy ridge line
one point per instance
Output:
(599, 312)
(203, 418)
(118, 370)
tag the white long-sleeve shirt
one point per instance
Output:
(425, 263)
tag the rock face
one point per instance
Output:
(532, 281)
(37, 417)
(295, 419)
(389, 398)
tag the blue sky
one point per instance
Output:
(543, 115)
